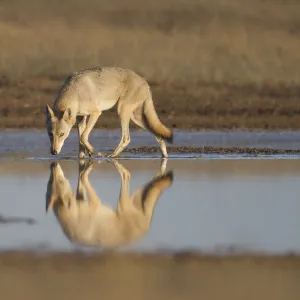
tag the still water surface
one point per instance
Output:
(212, 205)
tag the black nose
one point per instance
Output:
(53, 152)
(53, 165)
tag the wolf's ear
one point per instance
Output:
(67, 114)
(49, 112)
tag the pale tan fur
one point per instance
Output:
(91, 222)
(86, 94)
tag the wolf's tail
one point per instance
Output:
(154, 124)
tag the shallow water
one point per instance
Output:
(213, 205)
(28, 143)
(217, 203)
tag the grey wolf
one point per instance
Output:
(86, 94)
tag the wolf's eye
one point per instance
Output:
(61, 135)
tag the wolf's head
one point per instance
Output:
(58, 188)
(58, 129)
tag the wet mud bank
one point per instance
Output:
(70, 276)
(212, 150)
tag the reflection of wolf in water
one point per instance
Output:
(90, 222)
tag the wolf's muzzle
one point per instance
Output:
(53, 152)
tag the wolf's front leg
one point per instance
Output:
(81, 123)
(84, 137)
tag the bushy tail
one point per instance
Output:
(154, 124)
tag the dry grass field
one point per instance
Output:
(211, 64)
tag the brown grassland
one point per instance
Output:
(211, 64)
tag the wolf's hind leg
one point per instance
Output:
(163, 167)
(138, 120)
(162, 145)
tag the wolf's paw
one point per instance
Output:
(112, 155)
(164, 154)
(125, 174)
(81, 155)
(90, 152)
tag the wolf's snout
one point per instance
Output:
(53, 152)
(54, 165)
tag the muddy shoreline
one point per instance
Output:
(72, 276)
(212, 150)
(194, 152)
